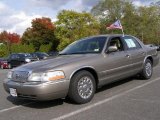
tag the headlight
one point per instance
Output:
(9, 75)
(27, 60)
(48, 76)
(35, 77)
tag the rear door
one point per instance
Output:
(135, 51)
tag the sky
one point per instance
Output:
(16, 15)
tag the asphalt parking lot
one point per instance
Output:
(130, 99)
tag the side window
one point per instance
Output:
(131, 43)
(116, 41)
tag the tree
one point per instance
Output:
(150, 23)
(108, 11)
(9, 38)
(73, 25)
(143, 21)
(41, 32)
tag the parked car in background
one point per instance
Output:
(158, 48)
(153, 45)
(4, 63)
(81, 68)
(53, 53)
(40, 55)
(17, 59)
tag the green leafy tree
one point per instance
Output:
(41, 32)
(73, 25)
(3, 50)
(143, 21)
(108, 11)
(150, 23)
(22, 48)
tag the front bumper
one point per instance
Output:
(155, 60)
(43, 91)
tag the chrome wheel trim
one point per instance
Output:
(85, 87)
(148, 69)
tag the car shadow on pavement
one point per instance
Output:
(35, 104)
(116, 83)
(45, 104)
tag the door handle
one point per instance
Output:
(128, 56)
(143, 53)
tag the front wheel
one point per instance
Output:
(147, 70)
(82, 87)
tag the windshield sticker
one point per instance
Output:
(130, 43)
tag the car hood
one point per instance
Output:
(51, 63)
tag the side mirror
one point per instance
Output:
(112, 49)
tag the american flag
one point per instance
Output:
(115, 25)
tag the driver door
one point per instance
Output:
(117, 64)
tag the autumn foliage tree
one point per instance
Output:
(41, 32)
(8, 39)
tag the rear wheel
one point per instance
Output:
(147, 70)
(82, 87)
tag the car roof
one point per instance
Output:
(107, 35)
(110, 35)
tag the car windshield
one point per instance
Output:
(44, 54)
(89, 45)
(26, 55)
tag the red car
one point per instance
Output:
(4, 64)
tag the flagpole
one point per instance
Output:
(122, 31)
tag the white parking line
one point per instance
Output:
(15, 107)
(103, 101)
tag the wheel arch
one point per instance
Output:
(89, 69)
(150, 58)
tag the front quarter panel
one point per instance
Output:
(93, 62)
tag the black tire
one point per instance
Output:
(147, 70)
(82, 82)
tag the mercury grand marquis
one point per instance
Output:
(81, 68)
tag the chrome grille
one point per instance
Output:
(20, 76)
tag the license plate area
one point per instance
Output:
(13, 92)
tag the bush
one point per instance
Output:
(3, 51)
(45, 48)
(22, 48)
